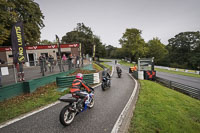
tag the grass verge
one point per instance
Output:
(105, 60)
(19, 105)
(106, 65)
(97, 67)
(126, 63)
(160, 109)
(28, 102)
(179, 73)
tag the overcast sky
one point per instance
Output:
(109, 19)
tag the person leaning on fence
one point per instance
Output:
(42, 60)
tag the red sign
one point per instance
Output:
(36, 47)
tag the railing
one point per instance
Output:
(188, 90)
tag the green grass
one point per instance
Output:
(97, 67)
(28, 102)
(108, 66)
(162, 110)
(105, 60)
(19, 105)
(126, 63)
(179, 73)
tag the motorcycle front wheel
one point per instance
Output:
(66, 116)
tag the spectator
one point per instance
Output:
(42, 60)
(20, 71)
(64, 61)
(70, 61)
(77, 61)
(51, 63)
(1, 62)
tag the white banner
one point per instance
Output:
(4, 71)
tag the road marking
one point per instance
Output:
(124, 111)
(32, 113)
(27, 115)
(39, 110)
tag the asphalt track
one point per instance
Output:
(186, 80)
(100, 119)
(190, 81)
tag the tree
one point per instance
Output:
(46, 42)
(184, 50)
(84, 35)
(157, 50)
(27, 11)
(132, 44)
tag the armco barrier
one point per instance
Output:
(28, 86)
(188, 90)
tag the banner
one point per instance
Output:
(18, 45)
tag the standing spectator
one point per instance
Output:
(70, 61)
(64, 61)
(74, 61)
(59, 62)
(51, 63)
(77, 61)
(43, 66)
(20, 71)
(1, 62)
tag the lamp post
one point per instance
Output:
(59, 52)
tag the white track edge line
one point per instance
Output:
(124, 111)
(32, 113)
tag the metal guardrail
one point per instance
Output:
(188, 90)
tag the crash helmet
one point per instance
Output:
(79, 76)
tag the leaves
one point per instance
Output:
(84, 35)
(21, 10)
(184, 50)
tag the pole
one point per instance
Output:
(59, 53)
(14, 73)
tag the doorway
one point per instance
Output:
(31, 59)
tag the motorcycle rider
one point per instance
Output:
(119, 70)
(106, 75)
(77, 90)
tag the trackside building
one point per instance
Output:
(34, 52)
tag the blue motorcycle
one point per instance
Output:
(74, 107)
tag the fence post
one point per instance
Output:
(170, 84)
(14, 73)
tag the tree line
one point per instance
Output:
(182, 51)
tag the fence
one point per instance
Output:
(188, 90)
(33, 70)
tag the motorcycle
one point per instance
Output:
(74, 107)
(105, 83)
(119, 73)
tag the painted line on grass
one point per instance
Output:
(124, 111)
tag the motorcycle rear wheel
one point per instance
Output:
(103, 86)
(66, 116)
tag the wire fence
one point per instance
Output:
(35, 69)
(188, 90)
